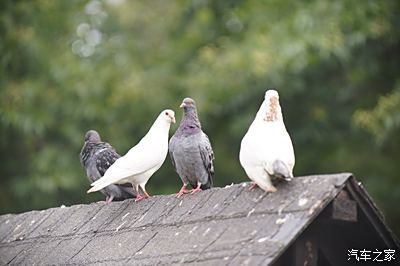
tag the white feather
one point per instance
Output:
(141, 161)
(264, 143)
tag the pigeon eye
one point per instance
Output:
(166, 113)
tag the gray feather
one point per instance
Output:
(281, 170)
(190, 150)
(97, 157)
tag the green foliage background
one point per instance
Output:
(112, 65)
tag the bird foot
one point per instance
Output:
(197, 189)
(182, 191)
(140, 197)
(109, 199)
(253, 186)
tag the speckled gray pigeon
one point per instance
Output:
(97, 156)
(190, 151)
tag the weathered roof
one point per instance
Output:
(231, 225)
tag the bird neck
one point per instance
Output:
(159, 128)
(267, 113)
(190, 123)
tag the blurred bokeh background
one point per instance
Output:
(112, 65)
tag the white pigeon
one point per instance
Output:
(141, 161)
(266, 151)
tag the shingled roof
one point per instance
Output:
(230, 225)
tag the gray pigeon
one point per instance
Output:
(97, 156)
(190, 151)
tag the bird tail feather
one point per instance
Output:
(98, 185)
(282, 170)
(207, 185)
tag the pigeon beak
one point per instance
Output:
(173, 119)
(182, 105)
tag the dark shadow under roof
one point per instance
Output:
(220, 225)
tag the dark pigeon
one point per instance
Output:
(97, 156)
(190, 151)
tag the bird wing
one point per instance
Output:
(290, 152)
(207, 155)
(105, 156)
(88, 161)
(171, 148)
(136, 161)
(85, 153)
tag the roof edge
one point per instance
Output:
(374, 215)
(339, 183)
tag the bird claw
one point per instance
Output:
(198, 189)
(109, 199)
(140, 197)
(182, 191)
(253, 186)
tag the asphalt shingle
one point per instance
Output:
(230, 225)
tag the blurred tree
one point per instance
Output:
(112, 65)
